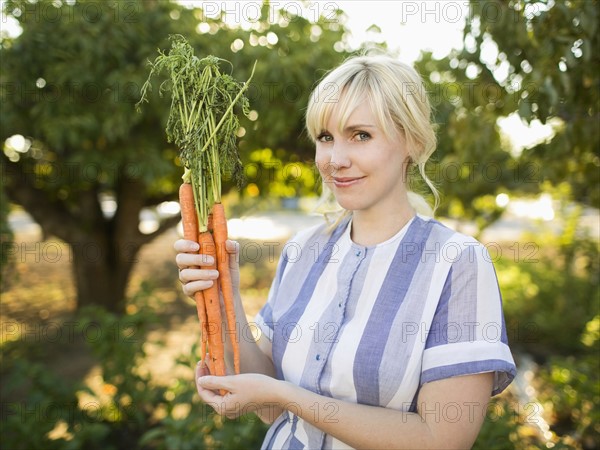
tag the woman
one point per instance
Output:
(385, 329)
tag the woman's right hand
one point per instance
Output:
(191, 274)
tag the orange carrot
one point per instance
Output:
(213, 309)
(204, 131)
(190, 232)
(220, 235)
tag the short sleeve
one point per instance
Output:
(468, 333)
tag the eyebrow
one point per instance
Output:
(358, 126)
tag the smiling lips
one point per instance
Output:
(346, 181)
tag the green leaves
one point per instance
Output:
(555, 84)
(532, 59)
(202, 122)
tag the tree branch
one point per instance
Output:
(51, 214)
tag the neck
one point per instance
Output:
(369, 229)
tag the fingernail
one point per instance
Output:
(196, 246)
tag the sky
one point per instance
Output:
(407, 26)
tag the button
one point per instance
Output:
(358, 253)
(318, 357)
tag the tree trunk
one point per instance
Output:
(101, 269)
(104, 250)
(83, 227)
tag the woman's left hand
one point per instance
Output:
(245, 393)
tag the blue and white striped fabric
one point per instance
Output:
(372, 324)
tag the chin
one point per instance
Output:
(350, 204)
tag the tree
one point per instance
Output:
(528, 57)
(69, 82)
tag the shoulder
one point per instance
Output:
(451, 245)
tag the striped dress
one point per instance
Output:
(372, 324)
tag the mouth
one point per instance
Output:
(346, 181)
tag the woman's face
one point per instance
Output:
(364, 168)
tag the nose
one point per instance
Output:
(339, 157)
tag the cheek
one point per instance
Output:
(322, 161)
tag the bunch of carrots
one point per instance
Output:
(202, 123)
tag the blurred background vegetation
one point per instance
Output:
(97, 339)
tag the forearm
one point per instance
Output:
(359, 426)
(252, 359)
(269, 413)
(449, 414)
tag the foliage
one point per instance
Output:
(546, 53)
(69, 82)
(524, 57)
(504, 428)
(26, 424)
(563, 412)
(470, 163)
(6, 236)
(551, 287)
(68, 87)
(279, 175)
(202, 121)
(550, 299)
(127, 410)
(569, 389)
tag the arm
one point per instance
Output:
(449, 414)
(255, 355)
(255, 358)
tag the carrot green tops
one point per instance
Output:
(373, 324)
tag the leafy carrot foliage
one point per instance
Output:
(202, 122)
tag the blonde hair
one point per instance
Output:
(397, 96)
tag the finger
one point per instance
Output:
(201, 369)
(206, 394)
(185, 246)
(184, 260)
(214, 383)
(232, 247)
(192, 287)
(210, 397)
(187, 275)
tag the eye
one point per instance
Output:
(362, 136)
(324, 137)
